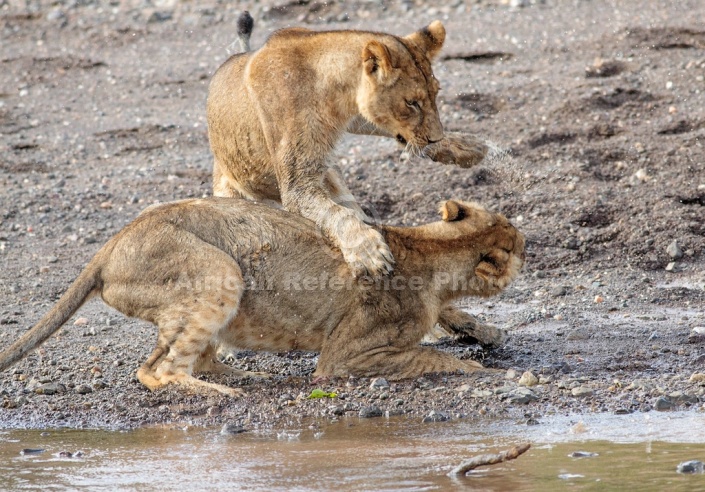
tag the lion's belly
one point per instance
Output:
(281, 321)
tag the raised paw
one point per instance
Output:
(370, 255)
(460, 149)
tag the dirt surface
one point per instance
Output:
(602, 105)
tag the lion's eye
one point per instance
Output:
(414, 104)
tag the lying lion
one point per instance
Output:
(210, 271)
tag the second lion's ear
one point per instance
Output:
(430, 39)
(452, 210)
(377, 60)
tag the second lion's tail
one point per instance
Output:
(87, 283)
(245, 23)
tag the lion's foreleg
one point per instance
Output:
(468, 328)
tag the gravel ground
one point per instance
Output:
(102, 112)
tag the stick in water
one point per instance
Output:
(490, 459)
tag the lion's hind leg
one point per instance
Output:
(190, 317)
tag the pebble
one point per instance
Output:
(160, 16)
(379, 383)
(692, 466)
(370, 412)
(83, 389)
(559, 291)
(520, 396)
(436, 416)
(671, 266)
(50, 389)
(511, 374)
(582, 391)
(697, 335)
(599, 299)
(674, 250)
(664, 404)
(528, 379)
(697, 378)
(231, 429)
(582, 454)
(80, 322)
(582, 333)
(28, 451)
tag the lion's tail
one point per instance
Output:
(245, 24)
(85, 286)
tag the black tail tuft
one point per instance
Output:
(245, 23)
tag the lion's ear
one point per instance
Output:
(430, 38)
(376, 60)
(452, 210)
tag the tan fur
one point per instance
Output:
(210, 271)
(276, 114)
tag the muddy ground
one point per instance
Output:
(601, 103)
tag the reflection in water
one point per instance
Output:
(640, 450)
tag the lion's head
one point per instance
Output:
(398, 90)
(492, 245)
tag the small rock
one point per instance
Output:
(528, 379)
(52, 259)
(664, 404)
(436, 416)
(697, 378)
(674, 250)
(693, 466)
(581, 333)
(29, 451)
(520, 396)
(559, 291)
(379, 383)
(50, 389)
(80, 322)
(599, 299)
(231, 429)
(160, 16)
(582, 454)
(683, 398)
(337, 410)
(671, 266)
(83, 389)
(213, 411)
(463, 388)
(582, 391)
(511, 374)
(370, 412)
(697, 335)
(58, 16)
(286, 397)
(532, 421)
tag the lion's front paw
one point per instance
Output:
(498, 268)
(487, 335)
(370, 255)
(463, 150)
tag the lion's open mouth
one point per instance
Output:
(401, 139)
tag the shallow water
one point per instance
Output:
(637, 451)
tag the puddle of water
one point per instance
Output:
(634, 451)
